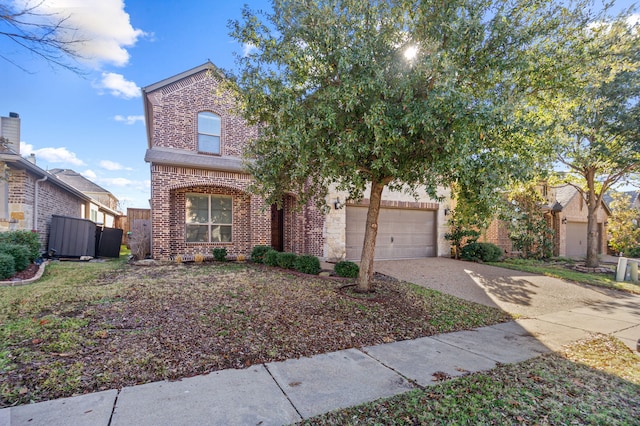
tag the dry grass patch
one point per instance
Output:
(89, 327)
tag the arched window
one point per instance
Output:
(208, 132)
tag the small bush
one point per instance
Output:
(258, 252)
(7, 266)
(219, 254)
(19, 253)
(307, 264)
(483, 252)
(29, 239)
(271, 258)
(347, 269)
(287, 260)
(199, 258)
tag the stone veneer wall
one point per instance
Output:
(52, 200)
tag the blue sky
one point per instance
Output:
(92, 123)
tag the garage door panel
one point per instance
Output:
(576, 239)
(402, 233)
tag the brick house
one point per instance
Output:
(200, 198)
(29, 195)
(566, 214)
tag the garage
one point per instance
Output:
(576, 239)
(402, 233)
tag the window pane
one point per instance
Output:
(208, 143)
(221, 210)
(197, 208)
(220, 234)
(197, 233)
(209, 123)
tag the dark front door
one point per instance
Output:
(277, 228)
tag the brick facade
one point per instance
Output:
(51, 199)
(171, 109)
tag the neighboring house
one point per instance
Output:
(634, 199)
(104, 205)
(565, 213)
(29, 195)
(200, 198)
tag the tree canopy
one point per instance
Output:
(595, 115)
(400, 94)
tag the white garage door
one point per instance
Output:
(402, 233)
(576, 239)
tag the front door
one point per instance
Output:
(277, 228)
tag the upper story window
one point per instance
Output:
(208, 132)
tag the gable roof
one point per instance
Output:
(633, 197)
(176, 81)
(78, 181)
(565, 194)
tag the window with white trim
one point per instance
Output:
(209, 132)
(209, 218)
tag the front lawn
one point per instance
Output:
(563, 269)
(86, 327)
(594, 382)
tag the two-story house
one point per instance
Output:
(200, 198)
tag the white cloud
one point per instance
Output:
(112, 165)
(124, 182)
(103, 26)
(52, 155)
(129, 119)
(633, 19)
(118, 86)
(247, 48)
(89, 174)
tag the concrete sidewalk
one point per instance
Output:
(554, 313)
(285, 392)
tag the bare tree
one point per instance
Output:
(45, 35)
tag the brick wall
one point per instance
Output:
(51, 200)
(174, 109)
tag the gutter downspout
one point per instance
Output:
(35, 202)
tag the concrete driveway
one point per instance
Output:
(515, 292)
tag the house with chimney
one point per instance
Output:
(200, 196)
(31, 196)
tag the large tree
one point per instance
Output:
(595, 115)
(400, 94)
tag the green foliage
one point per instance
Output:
(19, 253)
(529, 231)
(219, 254)
(483, 252)
(287, 260)
(594, 116)
(624, 233)
(27, 238)
(7, 266)
(347, 269)
(271, 258)
(339, 102)
(307, 264)
(258, 252)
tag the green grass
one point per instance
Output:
(559, 270)
(592, 382)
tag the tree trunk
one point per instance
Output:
(370, 233)
(592, 260)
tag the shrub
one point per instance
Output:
(219, 254)
(347, 269)
(270, 258)
(7, 266)
(29, 239)
(19, 253)
(258, 252)
(484, 252)
(287, 260)
(307, 264)
(199, 258)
